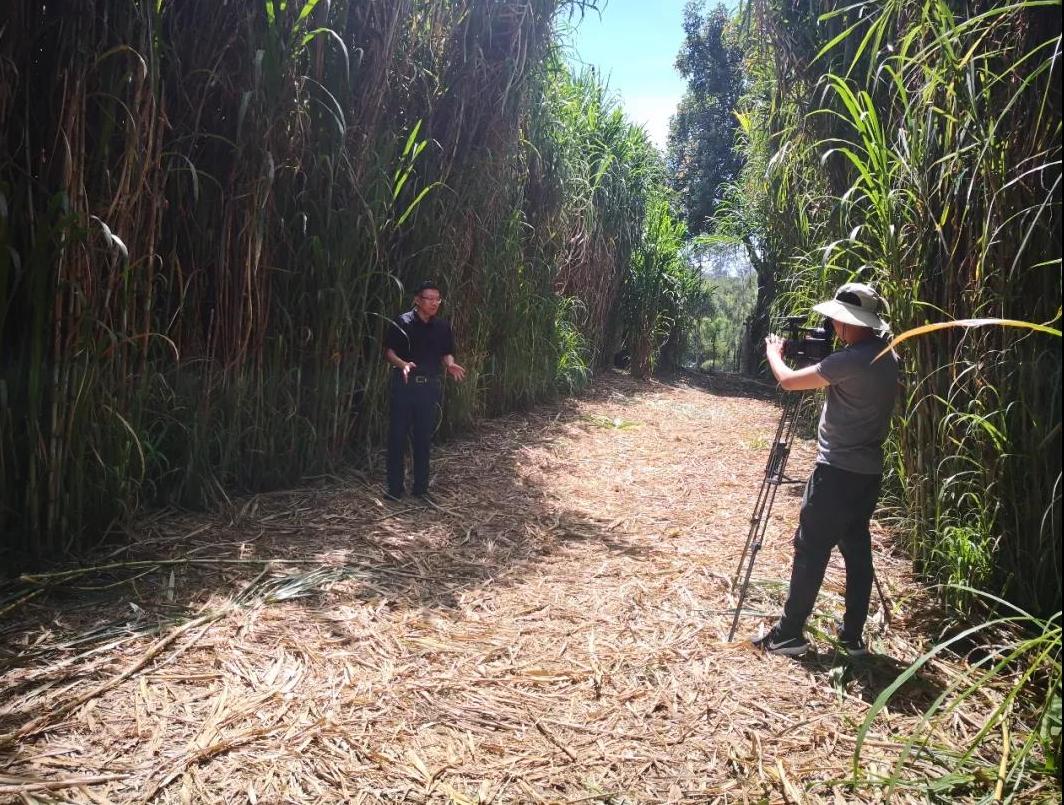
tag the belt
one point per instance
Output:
(416, 377)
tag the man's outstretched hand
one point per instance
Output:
(456, 371)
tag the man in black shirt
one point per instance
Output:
(420, 348)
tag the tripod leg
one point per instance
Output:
(742, 594)
(774, 475)
(882, 597)
(774, 469)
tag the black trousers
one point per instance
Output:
(413, 411)
(836, 510)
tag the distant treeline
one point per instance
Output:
(209, 210)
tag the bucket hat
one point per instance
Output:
(858, 304)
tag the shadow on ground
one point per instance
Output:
(338, 542)
(867, 677)
(492, 525)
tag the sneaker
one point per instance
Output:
(775, 643)
(852, 647)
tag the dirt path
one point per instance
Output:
(552, 632)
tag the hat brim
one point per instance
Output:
(850, 314)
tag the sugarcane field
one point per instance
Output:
(530, 401)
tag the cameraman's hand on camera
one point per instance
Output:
(790, 379)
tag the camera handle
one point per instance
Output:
(775, 476)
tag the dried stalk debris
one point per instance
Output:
(550, 632)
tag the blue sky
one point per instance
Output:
(634, 44)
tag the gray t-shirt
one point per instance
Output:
(859, 403)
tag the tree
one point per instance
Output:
(701, 157)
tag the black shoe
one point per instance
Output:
(775, 643)
(392, 496)
(427, 498)
(853, 647)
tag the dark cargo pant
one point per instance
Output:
(836, 510)
(413, 409)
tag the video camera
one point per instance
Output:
(808, 345)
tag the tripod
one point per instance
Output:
(775, 477)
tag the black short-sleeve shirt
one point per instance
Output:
(423, 342)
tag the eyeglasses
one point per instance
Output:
(431, 299)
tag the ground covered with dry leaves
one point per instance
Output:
(553, 631)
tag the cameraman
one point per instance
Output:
(841, 494)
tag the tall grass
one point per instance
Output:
(915, 144)
(659, 290)
(1017, 670)
(208, 211)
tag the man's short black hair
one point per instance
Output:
(427, 285)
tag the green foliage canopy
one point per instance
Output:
(701, 158)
